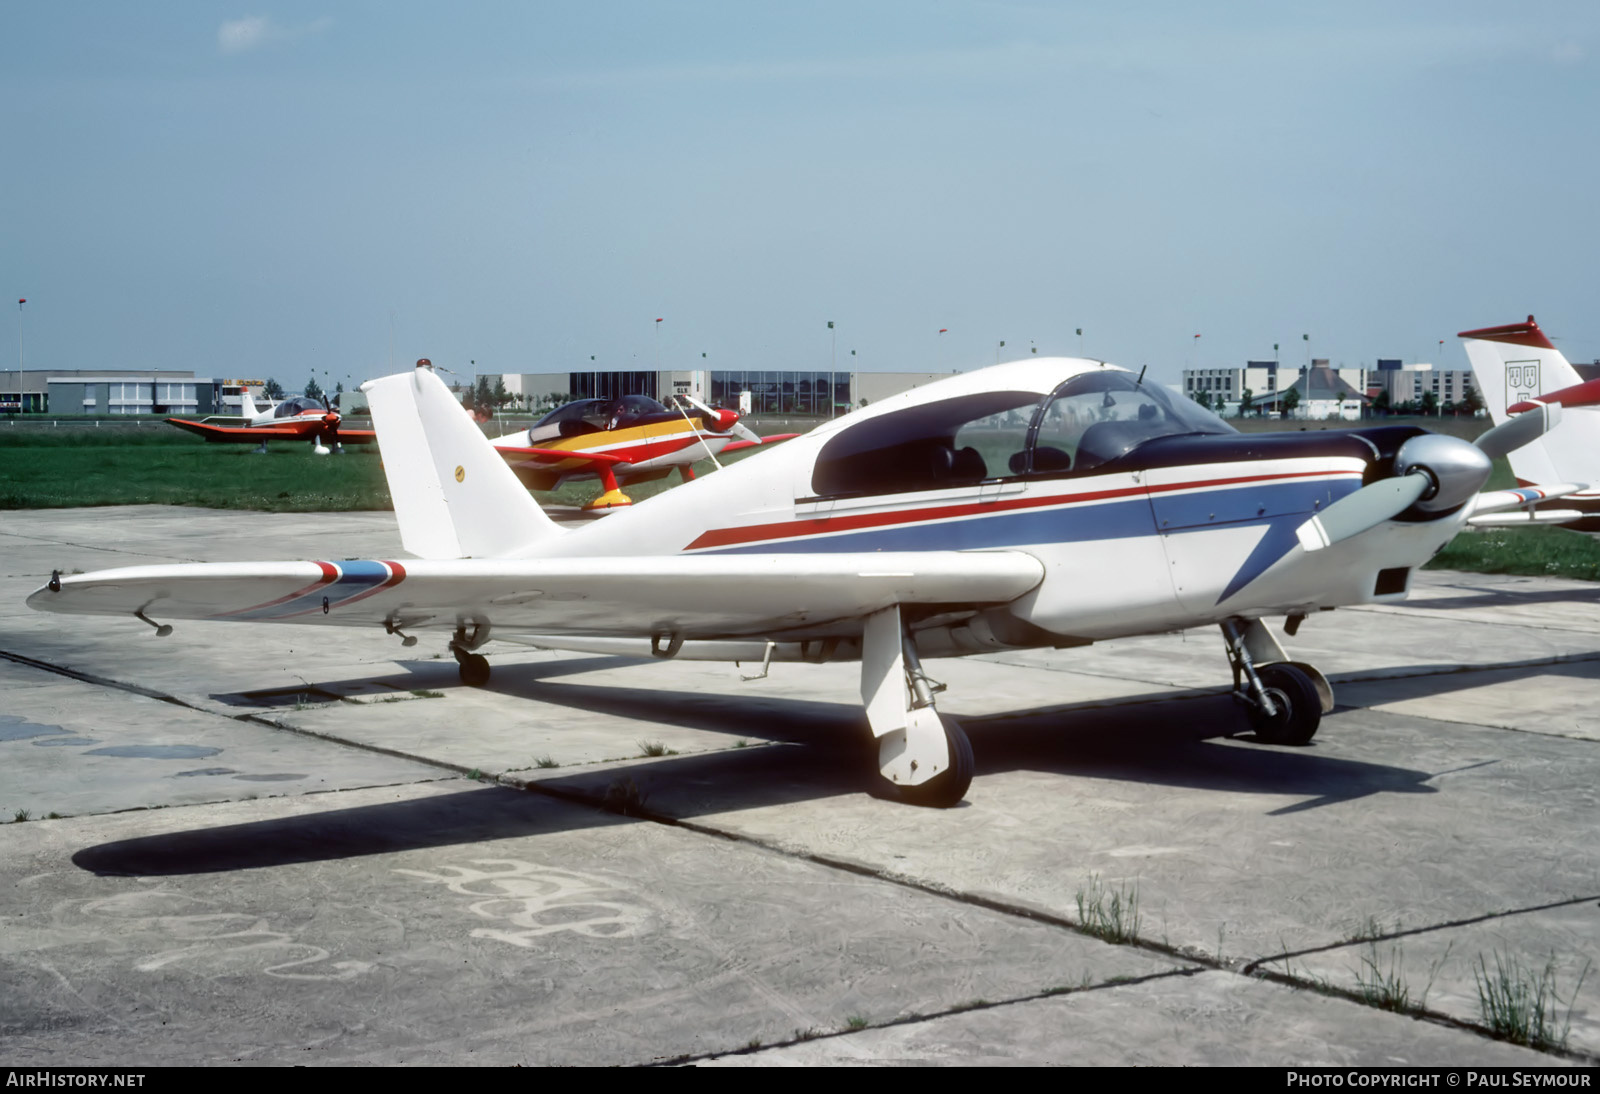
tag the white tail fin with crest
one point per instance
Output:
(1516, 364)
(454, 496)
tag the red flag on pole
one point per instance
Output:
(944, 330)
(658, 320)
(1197, 336)
(24, 300)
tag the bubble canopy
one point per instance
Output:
(1087, 421)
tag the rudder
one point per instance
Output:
(454, 496)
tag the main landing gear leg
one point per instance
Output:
(612, 496)
(474, 667)
(924, 754)
(1284, 700)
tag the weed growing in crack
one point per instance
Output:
(1383, 986)
(1111, 914)
(1519, 1003)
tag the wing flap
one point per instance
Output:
(727, 596)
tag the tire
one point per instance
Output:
(947, 789)
(1299, 706)
(474, 670)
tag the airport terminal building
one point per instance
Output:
(118, 392)
(820, 394)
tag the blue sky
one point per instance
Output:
(282, 189)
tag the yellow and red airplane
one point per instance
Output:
(299, 418)
(622, 441)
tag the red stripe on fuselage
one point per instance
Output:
(755, 533)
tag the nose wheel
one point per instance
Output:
(1297, 709)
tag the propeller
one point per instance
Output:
(723, 421)
(1366, 508)
(329, 434)
(1434, 473)
(1511, 435)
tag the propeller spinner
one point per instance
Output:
(1433, 473)
(724, 420)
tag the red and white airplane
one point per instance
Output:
(622, 441)
(297, 418)
(1047, 503)
(1520, 372)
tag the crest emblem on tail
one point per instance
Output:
(1522, 381)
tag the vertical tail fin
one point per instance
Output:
(247, 405)
(1516, 363)
(1513, 363)
(454, 496)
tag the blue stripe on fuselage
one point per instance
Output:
(1072, 522)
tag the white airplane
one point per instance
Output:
(1518, 371)
(1052, 502)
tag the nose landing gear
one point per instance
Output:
(1283, 700)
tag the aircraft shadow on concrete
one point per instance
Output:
(1165, 742)
(1159, 738)
(1501, 598)
(478, 815)
(1428, 681)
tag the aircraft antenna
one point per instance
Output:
(1140, 380)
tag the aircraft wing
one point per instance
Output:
(693, 597)
(774, 439)
(1509, 508)
(559, 454)
(292, 429)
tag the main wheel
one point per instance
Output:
(1299, 707)
(947, 788)
(474, 670)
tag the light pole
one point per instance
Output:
(22, 359)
